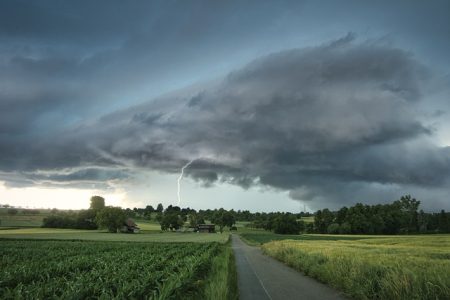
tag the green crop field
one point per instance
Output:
(111, 270)
(395, 267)
(95, 235)
(148, 226)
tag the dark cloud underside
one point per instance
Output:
(354, 117)
(302, 120)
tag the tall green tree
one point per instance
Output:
(195, 219)
(148, 211)
(443, 222)
(223, 218)
(409, 207)
(341, 215)
(286, 224)
(112, 218)
(323, 219)
(97, 203)
(171, 220)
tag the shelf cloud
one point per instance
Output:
(308, 121)
(326, 108)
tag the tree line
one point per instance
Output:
(24, 211)
(400, 217)
(173, 218)
(97, 216)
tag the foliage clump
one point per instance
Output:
(83, 219)
(286, 224)
(97, 203)
(110, 217)
(400, 217)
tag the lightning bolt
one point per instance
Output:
(179, 180)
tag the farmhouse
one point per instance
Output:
(207, 228)
(130, 226)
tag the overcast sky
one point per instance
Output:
(279, 105)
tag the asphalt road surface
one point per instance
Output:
(262, 277)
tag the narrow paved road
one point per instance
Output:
(262, 277)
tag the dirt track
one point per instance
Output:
(262, 277)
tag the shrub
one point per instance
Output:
(12, 211)
(30, 211)
(286, 224)
(85, 219)
(345, 228)
(333, 228)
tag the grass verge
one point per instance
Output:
(222, 280)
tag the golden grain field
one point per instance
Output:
(398, 267)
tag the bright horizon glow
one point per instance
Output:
(60, 198)
(195, 196)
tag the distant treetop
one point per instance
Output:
(97, 202)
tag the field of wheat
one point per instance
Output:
(399, 267)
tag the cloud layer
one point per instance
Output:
(321, 122)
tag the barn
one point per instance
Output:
(130, 226)
(206, 228)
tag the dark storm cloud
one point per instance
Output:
(80, 177)
(88, 174)
(310, 121)
(63, 62)
(317, 121)
(339, 112)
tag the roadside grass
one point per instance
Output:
(396, 267)
(221, 283)
(97, 235)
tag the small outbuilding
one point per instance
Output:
(206, 228)
(130, 226)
